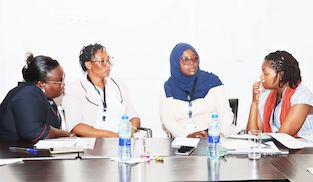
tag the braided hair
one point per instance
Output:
(88, 53)
(284, 63)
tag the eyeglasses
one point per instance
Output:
(186, 61)
(61, 83)
(104, 62)
(56, 82)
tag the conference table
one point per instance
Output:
(96, 165)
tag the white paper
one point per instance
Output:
(308, 139)
(289, 141)
(132, 160)
(86, 143)
(191, 142)
(234, 146)
(10, 161)
(70, 142)
(55, 143)
(247, 136)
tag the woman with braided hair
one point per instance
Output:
(284, 105)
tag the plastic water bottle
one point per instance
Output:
(124, 171)
(124, 133)
(214, 137)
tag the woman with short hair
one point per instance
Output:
(95, 103)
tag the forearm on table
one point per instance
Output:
(84, 130)
(55, 132)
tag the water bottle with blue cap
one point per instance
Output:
(124, 133)
(214, 131)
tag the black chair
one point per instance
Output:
(234, 107)
(147, 130)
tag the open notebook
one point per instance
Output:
(66, 144)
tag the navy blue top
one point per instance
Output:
(179, 86)
(26, 114)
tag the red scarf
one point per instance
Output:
(270, 104)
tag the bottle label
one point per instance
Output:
(214, 139)
(124, 142)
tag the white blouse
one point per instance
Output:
(83, 104)
(175, 118)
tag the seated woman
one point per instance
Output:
(95, 103)
(28, 112)
(190, 96)
(285, 105)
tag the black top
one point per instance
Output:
(26, 114)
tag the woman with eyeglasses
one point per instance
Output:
(280, 102)
(190, 96)
(95, 103)
(28, 112)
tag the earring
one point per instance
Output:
(43, 90)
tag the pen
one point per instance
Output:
(21, 149)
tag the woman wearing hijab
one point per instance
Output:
(28, 112)
(285, 105)
(191, 95)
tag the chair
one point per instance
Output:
(147, 130)
(168, 133)
(233, 103)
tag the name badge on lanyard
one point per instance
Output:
(102, 97)
(104, 113)
(191, 127)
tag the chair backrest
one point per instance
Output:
(234, 107)
(148, 131)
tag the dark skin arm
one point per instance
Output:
(295, 119)
(198, 134)
(201, 134)
(254, 120)
(84, 130)
(54, 133)
(136, 124)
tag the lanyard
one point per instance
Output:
(190, 97)
(54, 109)
(102, 100)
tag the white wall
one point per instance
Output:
(232, 38)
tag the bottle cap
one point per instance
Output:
(214, 115)
(125, 117)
